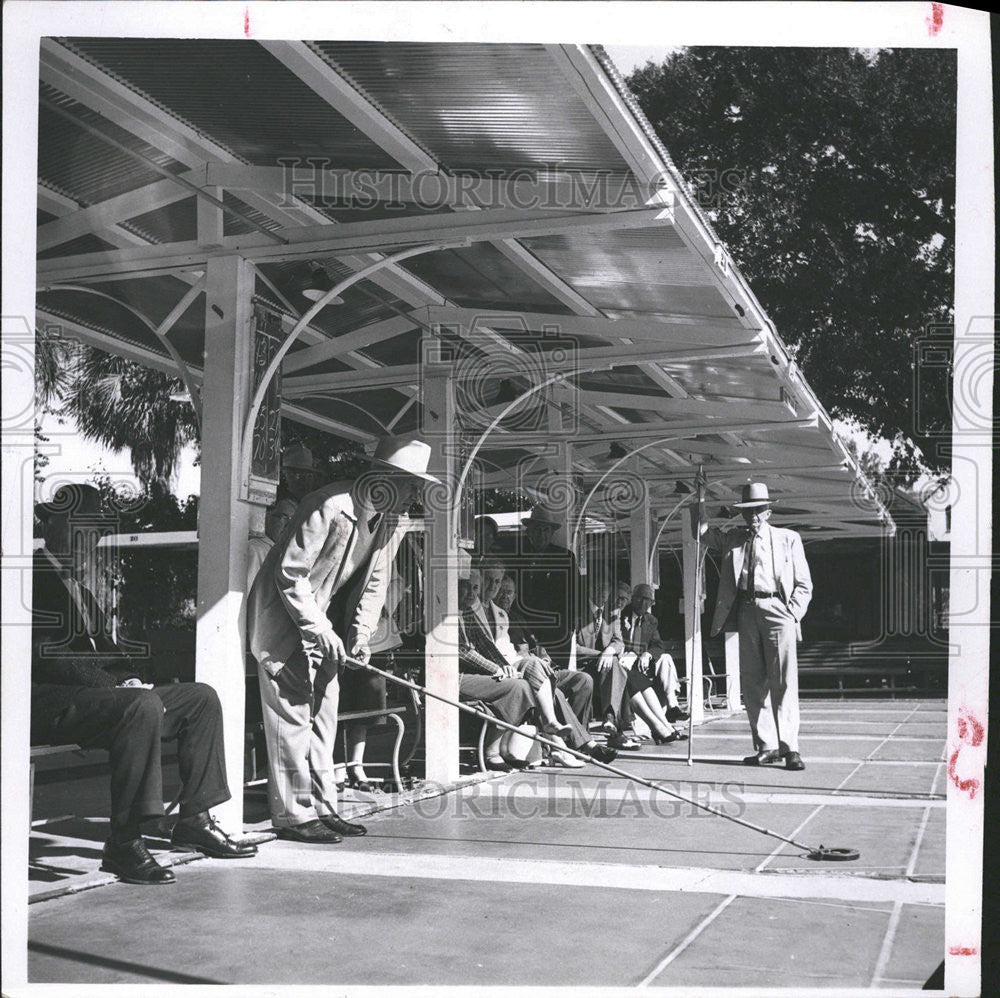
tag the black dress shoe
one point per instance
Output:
(498, 766)
(309, 831)
(666, 739)
(131, 862)
(676, 714)
(794, 761)
(342, 827)
(210, 839)
(601, 753)
(763, 758)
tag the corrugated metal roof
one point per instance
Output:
(238, 94)
(492, 109)
(78, 164)
(478, 106)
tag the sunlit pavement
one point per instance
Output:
(557, 877)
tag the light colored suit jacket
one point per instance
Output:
(302, 572)
(791, 571)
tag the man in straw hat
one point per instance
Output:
(764, 591)
(339, 546)
(299, 474)
(86, 690)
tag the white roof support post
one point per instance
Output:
(640, 533)
(441, 563)
(692, 626)
(223, 519)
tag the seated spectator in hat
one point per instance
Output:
(549, 590)
(277, 517)
(600, 650)
(641, 634)
(558, 692)
(299, 474)
(85, 690)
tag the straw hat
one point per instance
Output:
(298, 456)
(754, 494)
(409, 456)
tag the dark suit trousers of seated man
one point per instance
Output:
(130, 723)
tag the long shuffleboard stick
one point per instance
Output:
(817, 853)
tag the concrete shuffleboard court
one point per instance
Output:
(571, 878)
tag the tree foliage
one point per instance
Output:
(830, 175)
(124, 405)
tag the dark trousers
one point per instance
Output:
(130, 723)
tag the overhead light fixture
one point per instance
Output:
(318, 283)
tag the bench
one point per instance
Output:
(255, 779)
(40, 752)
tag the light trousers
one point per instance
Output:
(769, 673)
(300, 724)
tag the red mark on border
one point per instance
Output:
(970, 732)
(246, 20)
(936, 21)
(962, 951)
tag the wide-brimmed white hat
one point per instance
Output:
(408, 456)
(754, 494)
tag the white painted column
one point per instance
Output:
(441, 560)
(692, 628)
(223, 517)
(733, 692)
(640, 538)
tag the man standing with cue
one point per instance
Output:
(764, 591)
(341, 542)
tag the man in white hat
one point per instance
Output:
(341, 542)
(764, 591)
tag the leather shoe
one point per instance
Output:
(602, 753)
(342, 827)
(498, 766)
(622, 743)
(131, 862)
(676, 714)
(794, 761)
(666, 739)
(763, 758)
(309, 831)
(210, 839)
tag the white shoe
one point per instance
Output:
(566, 761)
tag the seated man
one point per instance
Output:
(601, 651)
(88, 692)
(567, 690)
(641, 634)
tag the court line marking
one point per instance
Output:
(501, 870)
(497, 792)
(726, 902)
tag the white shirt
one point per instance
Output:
(763, 562)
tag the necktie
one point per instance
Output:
(751, 583)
